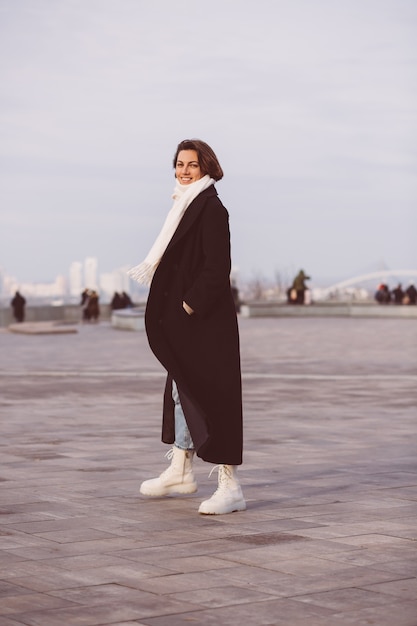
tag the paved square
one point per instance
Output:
(330, 477)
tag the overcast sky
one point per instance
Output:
(310, 106)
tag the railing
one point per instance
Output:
(47, 313)
(328, 309)
(73, 314)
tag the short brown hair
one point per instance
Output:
(206, 158)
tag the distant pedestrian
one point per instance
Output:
(117, 302)
(398, 294)
(296, 293)
(382, 294)
(93, 309)
(236, 298)
(411, 294)
(18, 305)
(126, 300)
(84, 304)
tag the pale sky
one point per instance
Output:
(310, 106)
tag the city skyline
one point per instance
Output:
(85, 274)
(310, 108)
(81, 275)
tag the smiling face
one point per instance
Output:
(187, 167)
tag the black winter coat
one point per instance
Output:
(199, 351)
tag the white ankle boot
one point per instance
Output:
(228, 496)
(177, 478)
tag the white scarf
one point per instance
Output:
(183, 196)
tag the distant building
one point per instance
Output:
(108, 284)
(91, 273)
(76, 278)
(56, 289)
(118, 280)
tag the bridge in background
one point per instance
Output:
(381, 275)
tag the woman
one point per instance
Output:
(192, 329)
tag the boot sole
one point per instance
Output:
(236, 507)
(181, 489)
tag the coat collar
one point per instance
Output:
(190, 215)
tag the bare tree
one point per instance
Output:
(256, 288)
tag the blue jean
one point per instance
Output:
(182, 434)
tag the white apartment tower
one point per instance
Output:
(76, 278)
(91, 273)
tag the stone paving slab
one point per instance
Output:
(42, 328)
(329, 537)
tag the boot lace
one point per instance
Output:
(169, 454)
(224, 476)
(168, 470)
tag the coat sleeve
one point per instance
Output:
(213, 282)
